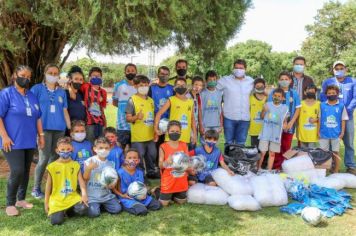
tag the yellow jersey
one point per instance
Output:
(64, 193)
(308, 132)
(256, 122)
(142, 130)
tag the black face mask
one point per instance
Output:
(181, 72)
(76, 85)
(130, 76)
(332, 97)
(22, 82)
(163, 79)
(310, 95)
(174, 136)
(180, 90)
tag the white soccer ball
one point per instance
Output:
(311, 215)
(108, 177)
(198, 163)
(163, 125)
(137, 190)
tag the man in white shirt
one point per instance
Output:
(236, 90)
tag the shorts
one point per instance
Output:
(325, 144)
(171, 196)
(208, 179)
(308, 145)
(265, 146)
(124, 137)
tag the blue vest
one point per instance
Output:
(212, 161)
(160, 96)
(330, 120)
(81, 152)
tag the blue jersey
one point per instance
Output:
(116, 156)
(125, 180)
(331, 117)
(81, 152)
(160, 96)
(20, 114)
(52, 104)
(212, 161)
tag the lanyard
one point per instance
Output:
(26, 101)
(51, 94)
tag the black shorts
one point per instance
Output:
(124, 137)
(172, 196)
(208, 179)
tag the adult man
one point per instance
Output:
(347, 95)
(236, 89)
(123, 90)
(181, 69)
(300, 81)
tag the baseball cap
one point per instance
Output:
(338, 63)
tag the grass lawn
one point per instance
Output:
(175, 220)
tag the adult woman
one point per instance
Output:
(20, 124)
(55, 120)
(76, 107)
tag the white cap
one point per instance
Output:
(338, 63)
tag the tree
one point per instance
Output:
(332, 37)
(35, 32)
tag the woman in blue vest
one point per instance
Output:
(55, 120)
(20, 124)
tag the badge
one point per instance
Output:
(28, 111)
(52, 108)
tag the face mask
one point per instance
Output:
(96, 81)
(65, 155)
(130, 76)
(284, 83)
(259, 90)
(143, 90)
(131, 163)
(310, 95)
(277, 100)
(79, 137)
(239, 73)
(332, 97)
(52, 79)
(174, 136)
(22, 82)
(298, 68)
(339, 73)
(181, 72)
(180, 90)
(210, 144)
(163, 79)
(102, 153)
(212, 84)
(76, 85)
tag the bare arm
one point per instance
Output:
(83, 189)
(194, 128)
(295, 116)
(225, 167)
(343, 124)
(67, 118)
(163, 109)
(48, 192)
(264, 111)
(6, 141)
(161, 158)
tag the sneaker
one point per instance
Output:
(351, 170)
(37, 193)
(24, 204)
(12, 211)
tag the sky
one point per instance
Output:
(280, 23)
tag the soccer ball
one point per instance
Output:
(311, 215)
(137, 190)
(108, 177)
(163, 125)
(198, 163)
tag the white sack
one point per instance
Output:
(279, 193)
(196, 194)
(329, 183)
(233, 185)
(215, 196)
(349, 179)
(243, 203)
(262, 191)
(298, 163)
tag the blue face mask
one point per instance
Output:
(65, 155)
(298, 68)
(284, 83)
(96, 81)
(339, 73)
(239, 73)
(210, 144)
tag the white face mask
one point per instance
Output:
(102, 153)
(52, 79)
(79, 137)
(143, 90)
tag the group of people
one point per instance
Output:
(68, 126)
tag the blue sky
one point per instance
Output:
(281, 23)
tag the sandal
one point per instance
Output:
(12, 211)
(24, 204)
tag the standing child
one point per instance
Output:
(128, 174)
(82, 148)
(172, 188)
(333, 115)
(308, 121)
(99, 195)
(116, 155)
(274, 121)
(213, 158)
(257, 101)
(61, 196)
(140, 113)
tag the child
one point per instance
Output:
(292, 101)
(140, 113)
(82, 148)
(95, 103)
(116, 155)
(172, 188)
(274, 120)
(213, 158)
(128, 173)
(99, 196)
(308, 121)
(181, 109)
(257, 101)
(61, 197)
(210, 115)
(333, 115)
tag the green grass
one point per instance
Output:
(175, 220)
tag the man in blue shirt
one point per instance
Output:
(347, 95)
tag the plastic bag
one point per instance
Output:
(349, 179)
(297, 164)
(243, 203)
(233, 185)
(261, 191)
(293, 208)
(279, 193)
(329, 183)
(215, 196)
(196, 194)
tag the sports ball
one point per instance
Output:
(137, 190)
(163, 125)
(311, 215)
(108, 176)
(198, 163)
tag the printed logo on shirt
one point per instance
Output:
(149, 120)
(331, 122)
(308, 125)
(257, 118)
(60, 99)
(162, 101)
(67, 188)
(184, 122)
